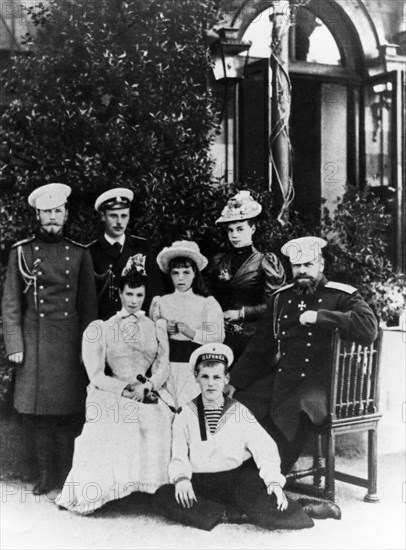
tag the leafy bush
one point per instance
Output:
(114, 93)
(358, 252)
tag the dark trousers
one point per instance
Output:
(241, 488)
(53, 438)
(290, 421)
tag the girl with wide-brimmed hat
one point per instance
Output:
(193, 317)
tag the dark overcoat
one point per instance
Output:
(108, 263)
(285, 367)
(46, 323)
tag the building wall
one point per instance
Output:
(333, 164)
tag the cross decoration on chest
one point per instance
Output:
(302, 306)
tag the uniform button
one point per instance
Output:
(310, 333)
(36, 248)
(67, 258)
(39, 272)
(285, 316)
(67, 272)
(303, 375)
(42, 314)
(41, 301)
(283, 333)
(66, 313)
(41, 287)
(279, 370)
(67, 286)
(66, 299)
(320, 300)
(283, 354)
(306, 360)
(66, 247)
(289, 301)
(308, 344)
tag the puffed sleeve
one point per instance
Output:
(155, 309)
(179, 466)
(160, 366)
(212, 326)
(274, 278)
(12, 305)
(94, 358)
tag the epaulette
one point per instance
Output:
(341, 286)
(24, 241)
(282, 288)
(74, 242)
(138, 237)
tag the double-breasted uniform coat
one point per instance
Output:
(285, 367)
(109, 262)
(49, 299)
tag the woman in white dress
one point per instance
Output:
(193, 317)
(125, 443)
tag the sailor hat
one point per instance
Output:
(211, 352)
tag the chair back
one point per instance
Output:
(354, 378)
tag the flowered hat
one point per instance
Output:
(240, 207)
(135, 264)
(181, 249)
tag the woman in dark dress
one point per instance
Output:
(243, 279)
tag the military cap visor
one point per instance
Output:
(114, 199)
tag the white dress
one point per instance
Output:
(203, 315)
(125, 445)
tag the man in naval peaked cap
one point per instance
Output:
(111, 251)
(49, 299)
(282, 375)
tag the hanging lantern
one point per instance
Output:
(230, 55)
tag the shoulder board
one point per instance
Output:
(341, 286)
(282, 288)
(24, 241)
(138, 237)
(74, 242)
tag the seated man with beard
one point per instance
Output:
(282, 375)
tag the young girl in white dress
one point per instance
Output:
(125, 443)
(193, 317)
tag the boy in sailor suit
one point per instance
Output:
(223, 462)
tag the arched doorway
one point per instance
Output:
(346, 107)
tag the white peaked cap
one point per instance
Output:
(303, 250)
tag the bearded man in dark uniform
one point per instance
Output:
(111, 251)
(49, 299)
(283, 374)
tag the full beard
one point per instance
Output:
(304, 286)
